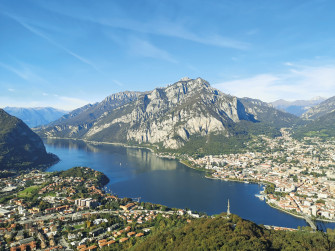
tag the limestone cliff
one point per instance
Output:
(167, 117)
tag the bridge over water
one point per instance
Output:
(310, 222)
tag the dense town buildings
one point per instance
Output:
(301, 173)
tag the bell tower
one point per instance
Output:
(228, 209)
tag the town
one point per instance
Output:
(298, 175)
(70, 210)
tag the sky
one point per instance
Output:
(68, 53)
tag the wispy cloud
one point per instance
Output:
(11, 89)
(53, 42)
(174, 30)
(56, 101)
(144, 48)
(303, 82)
(118, 82)
(156, 26)
(24, 73)
(72, 102)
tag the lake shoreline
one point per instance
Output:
(183, 162)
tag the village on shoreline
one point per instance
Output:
(69, 210)
(299, 176)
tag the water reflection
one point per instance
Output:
(147, 160)
(139, 173)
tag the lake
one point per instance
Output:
(135, 173)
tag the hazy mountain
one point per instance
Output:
(36, 116)
(320, 120)
(321, 109)
(297, 107)
(170, 117)
(20, 147)
(89, 113)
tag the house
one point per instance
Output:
(110, 242)
(96, 231)
(131, 234)
(94, 247)
(128, 206)
(81, 247)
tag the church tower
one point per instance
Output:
(228, 209)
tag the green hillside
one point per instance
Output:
(323, 127)
(235, 233)
(20, 148)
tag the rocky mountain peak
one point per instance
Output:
(169, 116)
(185, 79)
(122, 96)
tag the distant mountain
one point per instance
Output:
(320, 120)
(20, 147)
(297, 107)
(185, 114)
(89, 113)
(38, 116)
(321, 109)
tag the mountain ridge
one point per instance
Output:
(170, 116)
(297, 107)
(321, 109)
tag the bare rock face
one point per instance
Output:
(320, 110)
(165, 116)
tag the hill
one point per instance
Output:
(20, 147)
(323, 127)
(220, 233)
(319, 121)
(171, 118)
(34, 117)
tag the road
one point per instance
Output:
(310, 222)
(79, 214)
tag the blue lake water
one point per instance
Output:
(137, 173)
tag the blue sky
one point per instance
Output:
(68, 53)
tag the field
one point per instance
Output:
(29, 192)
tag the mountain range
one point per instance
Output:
(181, 115)
(20, 147)
(319, 120)
(297, 107)
(38, 116)
(188, 116)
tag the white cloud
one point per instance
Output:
(171, 29)
(11, 89)
(118, 82)
(303, 82)
(69, 103)
(53, 42)
(156, 26)
(56, 101)
(144, 48)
